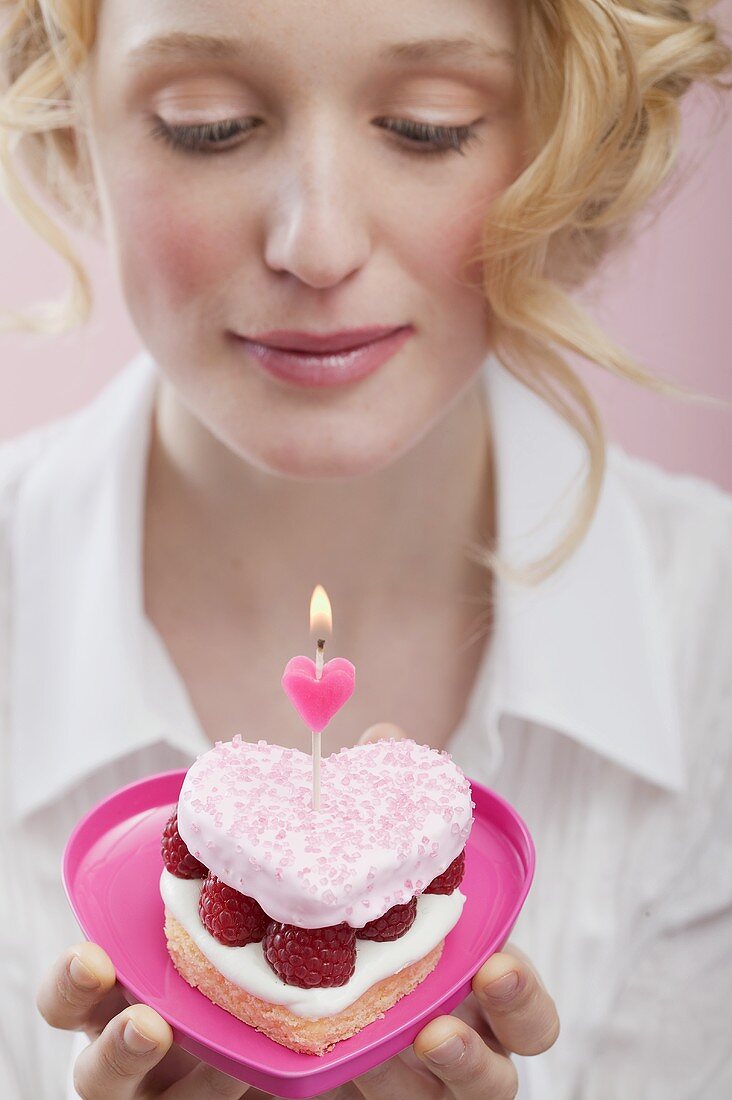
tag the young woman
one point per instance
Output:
(345, 234)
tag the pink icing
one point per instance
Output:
(316, 701)
(394, 814)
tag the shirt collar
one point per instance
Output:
(91, 681)
(584, 653)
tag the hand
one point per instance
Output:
(79, 993)
(509, 1011)
(491, 1025)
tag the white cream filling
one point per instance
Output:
(247, 967)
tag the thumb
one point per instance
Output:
(381, 731)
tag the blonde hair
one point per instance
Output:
(602, 81)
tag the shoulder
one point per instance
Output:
(670, 500)
(686, 524)
(18, 455)
(89, 426)
(70, 452)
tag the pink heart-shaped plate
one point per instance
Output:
(111, 873)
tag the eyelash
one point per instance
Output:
(434, 140)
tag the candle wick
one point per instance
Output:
(319, 658)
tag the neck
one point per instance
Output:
(259, 542)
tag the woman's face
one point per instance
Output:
(251, 178)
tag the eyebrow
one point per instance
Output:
(457, 49)
(471, 51)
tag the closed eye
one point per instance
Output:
(221, 136)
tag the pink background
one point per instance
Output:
(666, 300)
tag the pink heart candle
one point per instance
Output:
(318, 700)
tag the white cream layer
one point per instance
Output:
(247, 967)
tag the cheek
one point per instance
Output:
(444, 257)
(169, 255)
(459, 241)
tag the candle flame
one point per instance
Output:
(321, 616)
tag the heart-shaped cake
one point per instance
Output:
(309, 924)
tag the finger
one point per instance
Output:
(74, 988)
(460, 1059)
(347, 1091)
(395, 1080)
(113, 1066)
(381, 731)
(470, 1012)
(205, 1082)
(516, 1004)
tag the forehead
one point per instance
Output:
(470, 52)
(465, 33)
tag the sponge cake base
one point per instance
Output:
(276, 1021)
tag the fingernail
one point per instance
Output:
(81, 975)
(447, 1053)
(372, 732)
(502, 988)
(135, 1041)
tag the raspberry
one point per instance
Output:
(450, 879)
(390, 925)
(176, 857)
(232, 918)
(311, 957)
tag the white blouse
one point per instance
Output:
(602, 711)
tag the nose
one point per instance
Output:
(316, 216)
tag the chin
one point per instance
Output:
(321, 460)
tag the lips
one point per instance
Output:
(359, 352)
(315, 343)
